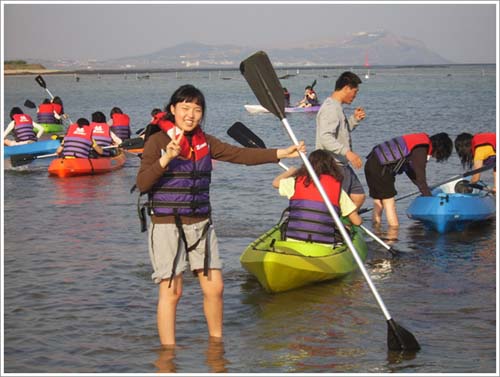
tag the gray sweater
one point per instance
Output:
(333, 130)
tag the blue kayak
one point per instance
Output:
(39, 147)
(447, 210)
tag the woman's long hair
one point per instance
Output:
(322, 162)
(463, 146)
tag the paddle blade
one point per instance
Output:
(135, 143)
(400, 339)
(260, 75)
(313, 84)
(22, 159)
(29, 104)
(243, 135)
(39, 79)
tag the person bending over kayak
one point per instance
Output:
(409, 154)
(175, 171)
(476, 151)
(78, 141)
(309, 219)
(23, 127)
(120, 123)
(102, 134)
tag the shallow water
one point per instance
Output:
(78, 297)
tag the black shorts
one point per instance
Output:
(380, 179)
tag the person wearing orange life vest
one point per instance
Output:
(309, 219)
(23, 128)
(102, 134)
(408, 154)
(175, 172)
(120, 123)
(477, 150)
(78, 141)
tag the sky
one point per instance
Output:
(462, 32)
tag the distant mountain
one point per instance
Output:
(380, 48)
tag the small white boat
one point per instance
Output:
(258, 109)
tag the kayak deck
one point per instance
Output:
(284, 265)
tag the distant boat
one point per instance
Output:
(142, 77)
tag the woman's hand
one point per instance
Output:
(173, 149)
(292, 151)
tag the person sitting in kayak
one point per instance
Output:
(310, 98)
(102, 134)
(175, 172)
(24, 129)
(78, 142)
(309, 219)
(120, 123)
(45, 112)
(476, 151)
(152, 127)
(58, 108)
(409, 154)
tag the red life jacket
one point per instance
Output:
(198, 140)
(414, 140)
(46, 108)
(157, 117)
(487, 138)
(23, 128)
(57, 108)
(120, 120)
(77, 141)
(101, 133)
(46, 113)
(309, 217)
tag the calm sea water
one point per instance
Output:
(78, 297)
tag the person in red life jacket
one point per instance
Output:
(23, 127)
(78, 141)
(409, 154)
(152, 127)
(45, 113)
(309, 219)
(476, 151)
(58, 108)
(120, 123)
(175, 172)
(102, 134)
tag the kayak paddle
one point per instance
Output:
(243, 135)
(262, 79)
(39, 79)
(463, 175)
(29, 104)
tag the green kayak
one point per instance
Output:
(283, 265)
(50, 128)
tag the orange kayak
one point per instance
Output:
(70, 167)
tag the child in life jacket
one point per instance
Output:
(309, 219)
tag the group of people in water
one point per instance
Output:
(175, 174)
(83, 139)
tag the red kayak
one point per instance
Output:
(70, 167)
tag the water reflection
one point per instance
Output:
(215, 356)
(166, 361)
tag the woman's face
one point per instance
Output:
(187, 115)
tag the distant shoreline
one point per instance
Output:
(20, 72)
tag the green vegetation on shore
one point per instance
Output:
(21, 65)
